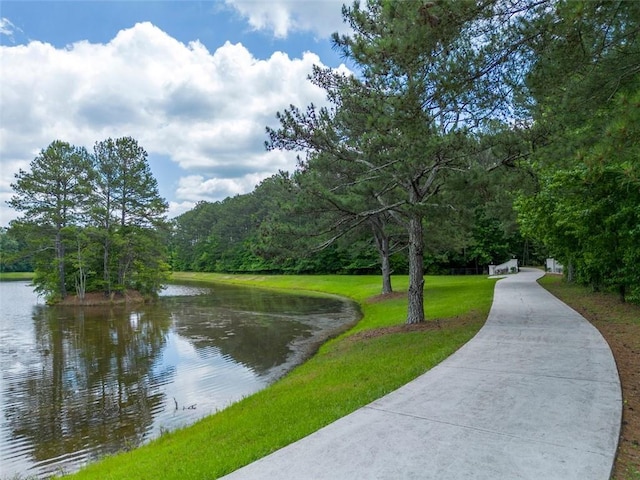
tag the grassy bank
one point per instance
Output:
(8, 276)
(619, 324)
(375, 357)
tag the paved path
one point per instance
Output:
(535, 395)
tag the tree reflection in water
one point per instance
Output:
(258, 328)
(84, 382)
(94, 389)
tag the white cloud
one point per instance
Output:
(178, 208)
(196, 187)
(7, 28)
(322, 17)
(206, 111)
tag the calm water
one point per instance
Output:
(79, 383)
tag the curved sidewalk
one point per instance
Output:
(534, 395)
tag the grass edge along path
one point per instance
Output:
(375, 357)
(619, 324)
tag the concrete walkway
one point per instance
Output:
(535, 395)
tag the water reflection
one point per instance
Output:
(79, 383)
(90, 385)
(254, 327)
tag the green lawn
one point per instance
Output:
(348, 372)
(16, 276)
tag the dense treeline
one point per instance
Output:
(13, 256)
(90, 222)
(274, 230)
(585, 89)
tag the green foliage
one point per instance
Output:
(586, 207)
(56, 189)
(52, 196)
(91, 223)
(189, 237)
(13, 255)
(590, 218)
(420, 140)
(430, 75)
(127, 191)
(263, 231)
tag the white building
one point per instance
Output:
(553, 266)
(507, 267)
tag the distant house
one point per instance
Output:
(553, 266)
(507, 267)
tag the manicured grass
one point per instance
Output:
(375, 357)
(16, 276)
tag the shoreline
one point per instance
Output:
(98, 299)
(345, 373)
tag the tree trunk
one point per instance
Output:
(122, 274)
(124, 266)
(105, 265)
(382, 243)
(81, 275)
(385, 266)
(622, 292)
(415, 312)
(60, 260)
(571, 272)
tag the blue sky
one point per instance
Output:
(195, 82)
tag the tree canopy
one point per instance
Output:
(431, 77)
(585, 93)
(91, 222)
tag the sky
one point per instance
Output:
(194, 82)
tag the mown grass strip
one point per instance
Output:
(8, 276)
(375, 357)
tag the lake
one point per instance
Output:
(80, 383)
